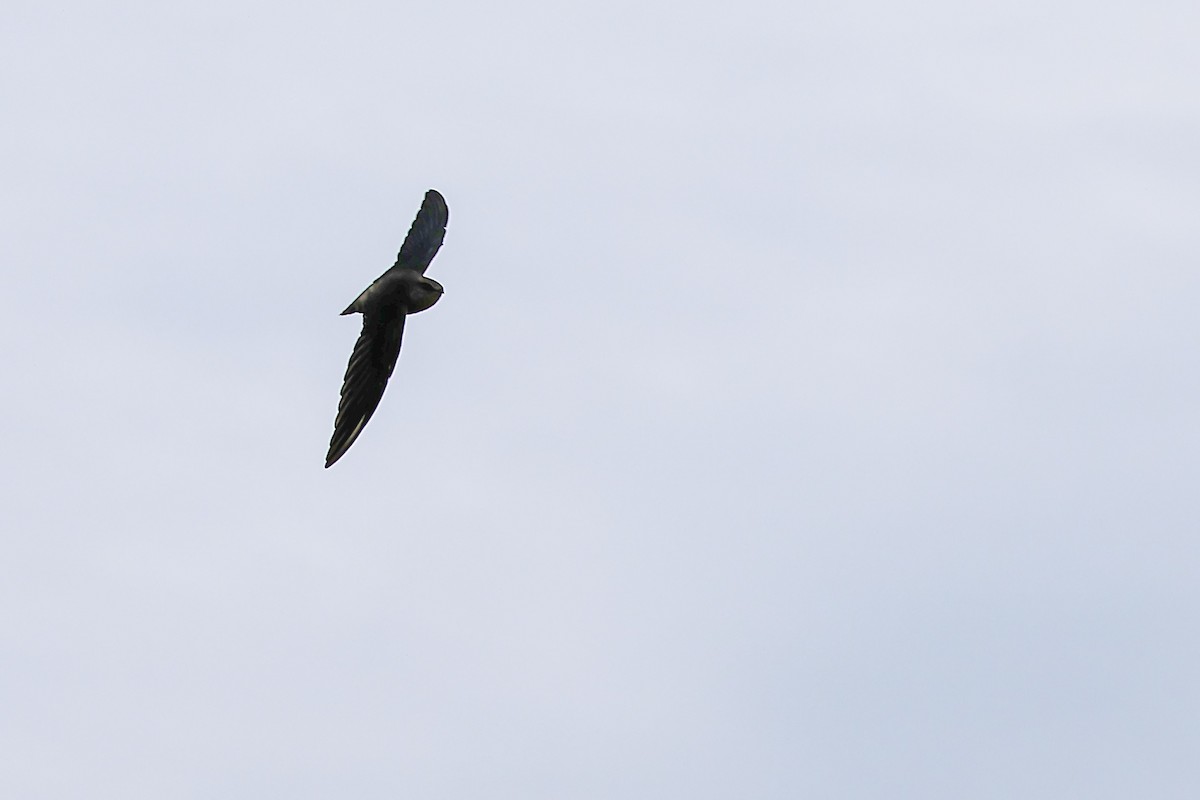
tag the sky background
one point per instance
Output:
(811, 412)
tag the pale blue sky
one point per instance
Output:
(812, 410)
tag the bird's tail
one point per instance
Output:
(359, 302)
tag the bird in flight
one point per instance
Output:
(395, 294)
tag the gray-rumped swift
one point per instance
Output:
(395, 294)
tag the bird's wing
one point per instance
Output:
(426, 234)
(367, 374)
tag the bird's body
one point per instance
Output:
(402, 288)
(385, 304)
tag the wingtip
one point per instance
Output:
(433, 195)
(333, 455)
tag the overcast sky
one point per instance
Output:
(812, 410)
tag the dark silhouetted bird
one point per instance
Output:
(395, 294)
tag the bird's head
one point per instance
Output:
(424, 294)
